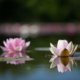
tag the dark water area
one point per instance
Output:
(39, 68)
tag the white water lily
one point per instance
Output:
(63, 49)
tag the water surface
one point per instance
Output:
(38, 69)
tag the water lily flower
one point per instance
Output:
(14, 47)
(63, 49)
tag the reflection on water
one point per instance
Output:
(65, 60)
(39, 69)
(63, 64)
(24, 58)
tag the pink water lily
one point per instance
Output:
(63, 49)
(13, 48)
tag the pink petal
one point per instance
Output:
(20, 54)
(3, 48)
(5, 44)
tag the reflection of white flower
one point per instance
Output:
(63, 63)
(63, 50)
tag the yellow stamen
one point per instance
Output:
(64, 53)
(64, 57)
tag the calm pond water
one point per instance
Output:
(39, 68)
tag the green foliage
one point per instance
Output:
(39, 10)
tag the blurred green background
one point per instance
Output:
(39, 10)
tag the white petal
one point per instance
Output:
(27, 43)
(53, 49)
(71, 61)
(62, 44)
(60, 68)
(51, 45)
(70, 47)
(52, 65)
(53, 58)
(75, 48)
(68, 67)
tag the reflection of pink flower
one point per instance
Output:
(14, 47)
(64, 49)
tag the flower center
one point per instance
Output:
(64, 57)
(64, 53)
